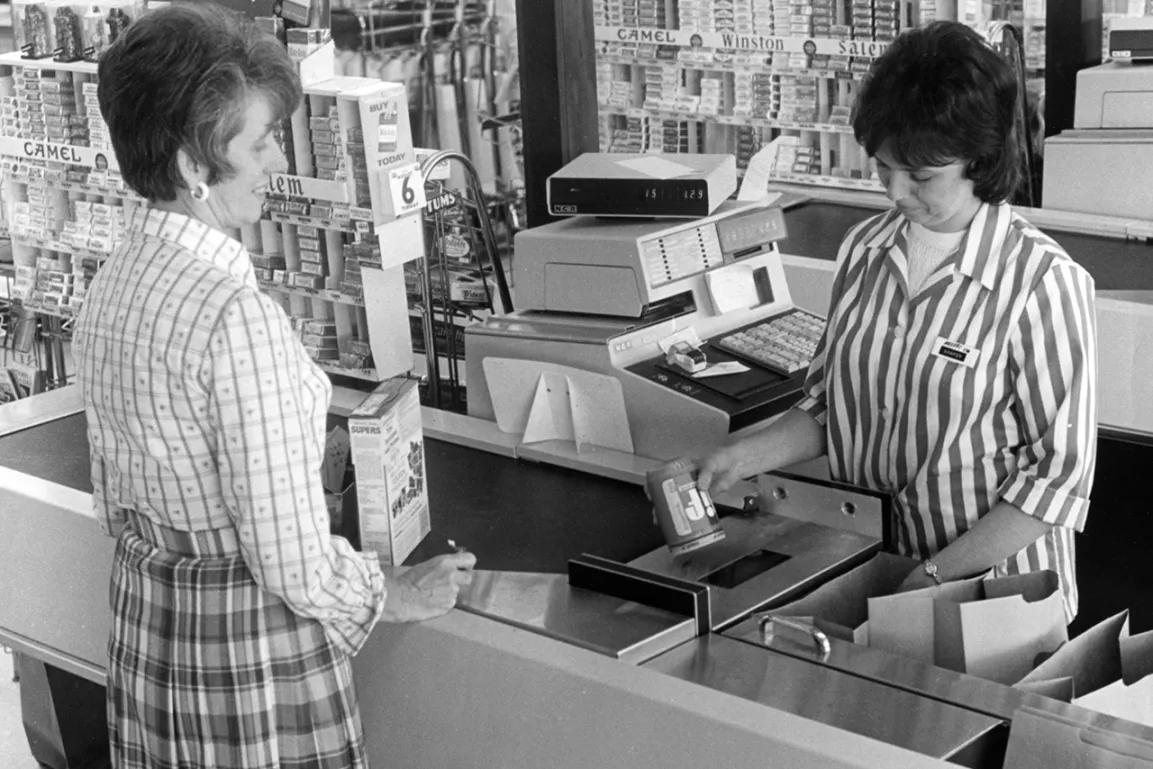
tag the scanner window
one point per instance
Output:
(736, 573)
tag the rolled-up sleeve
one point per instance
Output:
(271, 446)
(1054, 354)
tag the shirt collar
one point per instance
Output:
(980, 248)
(206, 242)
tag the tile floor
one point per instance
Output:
(14, 752)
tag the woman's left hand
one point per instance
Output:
(915, 580)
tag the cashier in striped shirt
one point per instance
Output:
(958, 367)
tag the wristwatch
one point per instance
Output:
(931, 570)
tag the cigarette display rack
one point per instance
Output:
(353, 183)
(739, 76)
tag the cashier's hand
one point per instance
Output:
(428, 589)
(718, 471)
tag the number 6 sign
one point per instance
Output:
(407, 187)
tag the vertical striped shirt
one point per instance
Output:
(980, 388)
(205, 412)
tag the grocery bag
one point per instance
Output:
(992, 628)
(1104, 669)
(839, 607)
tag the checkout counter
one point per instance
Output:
(513, 680)
(534, 670)
(582, 642)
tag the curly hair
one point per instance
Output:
(180, 77)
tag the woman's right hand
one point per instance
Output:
(428, 589)
(718, 471)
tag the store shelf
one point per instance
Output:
(337, 297)
(87, 189)
(365, 374)
(743, 42)
(360, 226)
(731, 120)
(715, 65)
(865, 185)
(64, 313)
(60, 245)
(14, 59)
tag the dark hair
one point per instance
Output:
(940, 94)
(180, 77)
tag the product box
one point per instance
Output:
(388, 456)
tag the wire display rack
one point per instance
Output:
(460, 280)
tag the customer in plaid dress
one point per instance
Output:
(235, 613)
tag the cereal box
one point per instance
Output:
(388, 455)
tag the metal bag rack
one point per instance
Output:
(453, 219)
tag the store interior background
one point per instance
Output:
(13, 743)
(1115, 571)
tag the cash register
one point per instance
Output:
(1099, 166)
(692, 317)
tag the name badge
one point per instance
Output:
(955, 352)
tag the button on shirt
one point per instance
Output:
(205, 412)
(979, 388)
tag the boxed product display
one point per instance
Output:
(388, 456)
(67, 22)
(32, 28)
(103, 22)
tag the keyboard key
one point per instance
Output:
(785, 344)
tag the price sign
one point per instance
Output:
(307, 187)
(407, 189)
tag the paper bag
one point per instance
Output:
(1131, 697)
(992, 628)
(1106, 670)
(1040, 740)
(904, 622)
(839, 607)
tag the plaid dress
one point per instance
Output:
(235, 612)
(209, 670)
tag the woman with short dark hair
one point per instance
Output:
(235, 613)
(940, 95)
(958, 367)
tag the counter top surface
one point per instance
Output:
(526, 516)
